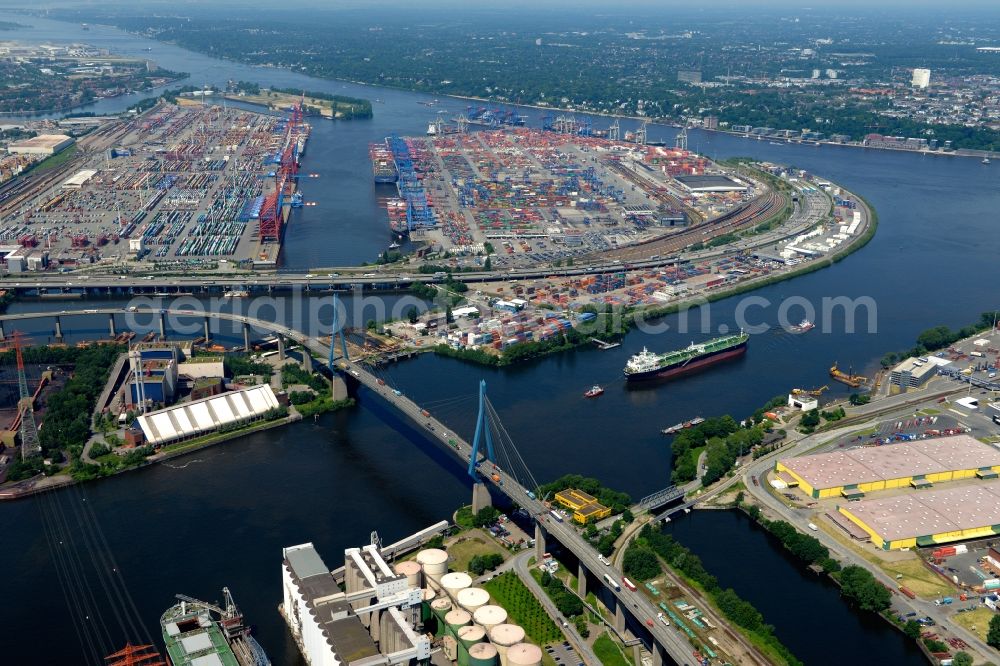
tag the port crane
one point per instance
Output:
(813, 392)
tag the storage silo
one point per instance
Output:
(467, 638)
(456, 619)
(504, 636)
(425, 607)
(440, 607)
(455, 581)
(489, 616)
(434, 563)
(483, 654)
(473, 598)
(412, 571)
(524, 654)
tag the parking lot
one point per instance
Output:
(563, 654)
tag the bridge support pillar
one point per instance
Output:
(111, 326)
(581, 581)
(59, 333)
(539, 543)
(619, 617)
(206, 330)
(246, 338)
(281, 346)
(163, 327)
(307, 360)
(637, 653)
(480, 497)
(338, 387)
(658, 654)
(2, 334)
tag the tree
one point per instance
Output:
(448, 316)
(860, 587)
(993, 637)
(640, 562)
(412, 314)
(811, 418)
(488, 264)
(912, 629)
(961, 659)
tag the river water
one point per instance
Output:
(221, 516)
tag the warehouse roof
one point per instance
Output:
(206, 415)
(50, 141)
(893, 461)
(930, 512)
(710, 183)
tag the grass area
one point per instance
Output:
(463, 517)
(977, 621)
(57, 160)
(918, 578)
(524, 609)
(608, 651)
(468, 546)
(929, 411)
(200, 442)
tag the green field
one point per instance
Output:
(523, 608)
(609, 653)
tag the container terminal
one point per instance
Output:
(524, 189)
(177, 187)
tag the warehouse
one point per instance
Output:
(585, 507)
(201, 416)
(43, 144)
(710, 183)
(929, 518)
(912, 373)
(854, 472)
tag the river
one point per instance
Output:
(223, 519)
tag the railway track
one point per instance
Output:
(753, 212)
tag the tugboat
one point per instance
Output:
(594, 391)
(394, 246)
(804, 326)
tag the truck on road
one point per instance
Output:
(612, 582)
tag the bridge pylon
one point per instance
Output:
(334, 328)
(483, 433)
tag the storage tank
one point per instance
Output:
(440, 607)
(412, 571)
(454, 582)
(503, 636)
(473, 598)
(456, 619)
(425, 607)
(482, 654)
(489, 616)
(434, 562)
(467, 638)
(524, 654)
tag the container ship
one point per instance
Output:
(646, 364)
(196, 632)
(383, 165)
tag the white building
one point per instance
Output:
(207, 415)
(921, 78)
(43, 144)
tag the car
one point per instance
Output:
(355, 373)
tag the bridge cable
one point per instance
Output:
(507, 444)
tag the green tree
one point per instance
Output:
(411, 314)
(912, 629)
(640, 562)
(993, 637)
(860, 587)
(961, 659)
(811, 418)
(488, 264)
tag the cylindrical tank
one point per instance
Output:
(412, 571)
(482, 654)
(504, 636)
(425, 608)
(489, 616)
(455, 581)
(434, 562)
(471, 635)
(524, 654)
(440, 607)
(473, 598)
(456, 619)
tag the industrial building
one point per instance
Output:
(585, 507)
(43, 144)
(198, 417)
(921, 78)
(395, 614)
(710, 183)
(929, 518)
(919, 464)
(912, 373)
(153, 374)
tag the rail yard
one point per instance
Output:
(177, 187)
